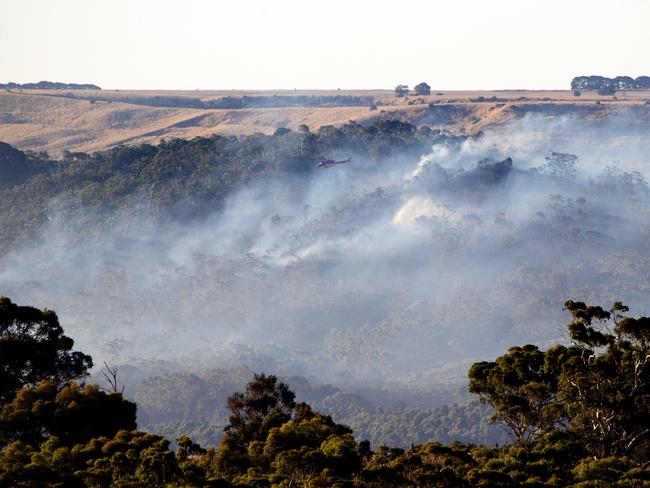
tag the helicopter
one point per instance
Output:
(326, 163)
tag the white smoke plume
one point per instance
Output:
(402, 271)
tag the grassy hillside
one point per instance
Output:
(90, 120)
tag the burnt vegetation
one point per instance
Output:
(231, 102)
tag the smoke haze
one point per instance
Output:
(402, 271)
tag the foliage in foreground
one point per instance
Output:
(578, 416)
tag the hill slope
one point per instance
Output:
(90, 120)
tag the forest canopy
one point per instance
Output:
(182, 178)
(576, 413)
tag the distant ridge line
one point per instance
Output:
(48, 85)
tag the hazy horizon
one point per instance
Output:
(287, 44)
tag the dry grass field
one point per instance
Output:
(58, 120)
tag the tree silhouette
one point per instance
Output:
(33, 348)
(401, 90)
(266, 403)
(422, 89)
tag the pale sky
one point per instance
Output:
(255, 44)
